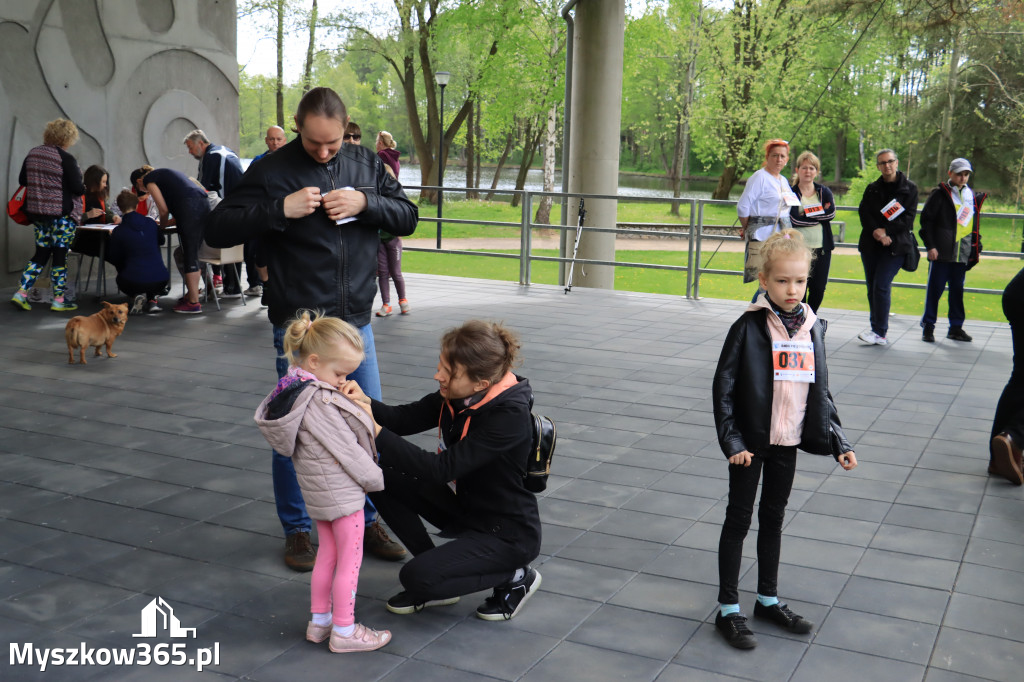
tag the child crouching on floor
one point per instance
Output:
(770, 397)
(330, 440)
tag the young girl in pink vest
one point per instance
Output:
(770, 397)
(330, 440)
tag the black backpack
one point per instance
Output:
(542, 450)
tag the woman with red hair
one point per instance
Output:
(763, 208)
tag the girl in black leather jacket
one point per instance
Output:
(770, 397)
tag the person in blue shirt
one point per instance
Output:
(134, 249)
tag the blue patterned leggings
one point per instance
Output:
(53, 238)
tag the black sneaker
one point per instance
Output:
(507, 600)
(734, 628)
(958, 334)
(402, 603)
(929, 333)
(783, 617)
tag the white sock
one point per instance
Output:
(322, 619)
(345, 630)
(519, 575)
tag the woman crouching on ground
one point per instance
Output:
(472, 487)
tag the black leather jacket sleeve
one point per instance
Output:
(723, 391)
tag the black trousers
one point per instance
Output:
(818, 280)
(1010, 409)
(471, 562)
(778, 464)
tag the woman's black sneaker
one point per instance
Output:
(402, 603)
(734, 628)
(507, 601)
(783, 617)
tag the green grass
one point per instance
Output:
(997, 234)
(989, 274)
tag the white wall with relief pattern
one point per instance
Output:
(134, 75)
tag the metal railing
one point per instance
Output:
(694, 268)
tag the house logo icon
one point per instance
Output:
(158, 617)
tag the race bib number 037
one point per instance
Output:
(793, 361)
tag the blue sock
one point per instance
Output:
(767, 601)
(726, 609)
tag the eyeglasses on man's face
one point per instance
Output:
(888, 162)
(349, 136)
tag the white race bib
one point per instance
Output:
(793, 361)
(964, 215)
(342, 221)
(892, 209)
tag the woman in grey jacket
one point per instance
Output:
(330, 440)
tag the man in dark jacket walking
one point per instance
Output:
(947, 223)
(317, 206)
(887, 221)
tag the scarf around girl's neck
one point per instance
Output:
(792, 320)
(294, 374)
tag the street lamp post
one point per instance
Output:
(441, 78)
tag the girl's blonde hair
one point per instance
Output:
(805, 156)
(312, 332)
(487, 350)
(788, 243)
(386, 139)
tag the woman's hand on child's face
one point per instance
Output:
(848, 460)
(742, 458)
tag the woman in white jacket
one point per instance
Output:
(330, 440)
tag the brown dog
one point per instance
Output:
(97, 330)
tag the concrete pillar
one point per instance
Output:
(594, 137)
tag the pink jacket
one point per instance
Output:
(330, 441)
(789, 398)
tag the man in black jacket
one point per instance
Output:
(220, 171)
(947, 223)
(887, 221)
(317, 207)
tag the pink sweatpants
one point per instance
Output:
(336, 571)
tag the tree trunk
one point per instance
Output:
(837, 175)
(946, 132)
(725, 182)
(860, 149)
(307, 71)
(479, 136)
(471, 154)
(509, 140)
(544, 206)
(529, 150)
(280, 63)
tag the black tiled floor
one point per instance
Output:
(143, 476)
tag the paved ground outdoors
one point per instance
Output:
(143, 477)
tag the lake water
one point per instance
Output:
(629, 184)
